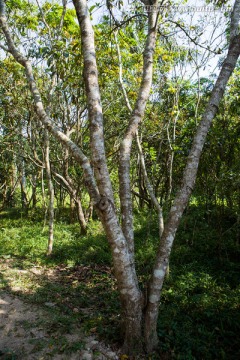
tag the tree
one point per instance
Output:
(139, 314)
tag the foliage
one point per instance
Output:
(199, 315)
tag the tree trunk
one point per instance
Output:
(72, 209)
(89, 211)
(34, 191)
(130, 295)
(98, 181)
(184, 193)
(51, 195)
(24, 200)
(74, 197)
(135, 119)
(81, 217)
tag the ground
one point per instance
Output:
(58, 307)
(30, 331)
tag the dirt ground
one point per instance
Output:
(23, 336)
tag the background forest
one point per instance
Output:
(49, 221)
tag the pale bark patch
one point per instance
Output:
(153, 298)
(159, 273)
(170, 239)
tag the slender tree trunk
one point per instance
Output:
(81, 217)
(13, 181)
(72, 209)
(89, 211)
(142, 193)
(34, 191)
(43, 191)
(150, 188)
(24, 200)
(74, 197)
(50, 194)
(183, 195)
(74, 193)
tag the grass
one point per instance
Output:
(199, 313)
(25, 238)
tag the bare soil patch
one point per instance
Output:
(27, 331)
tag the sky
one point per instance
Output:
(192, 14)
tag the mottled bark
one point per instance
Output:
(50, 193)
(101, 194)
(48, 170)
(125, 273)
(235, 25)
(136, 117)
(121, 238)
(130, 294)
(93, 100)
(81, 217)
(184, 193)
(43, 117)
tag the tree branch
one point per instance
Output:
(188, 181)
(136, 117)
(73, 148)
(193, 40)
(120, 74)
(150, 188)
(94, 100)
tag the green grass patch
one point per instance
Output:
(199, 314)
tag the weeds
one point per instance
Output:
(199, 313)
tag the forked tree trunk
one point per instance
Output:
(99, 185)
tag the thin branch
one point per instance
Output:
(75, 150)
(149, 187)
(194, 40)
(120, 74)
(119, 25)
(44, 20)
(64, 4)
